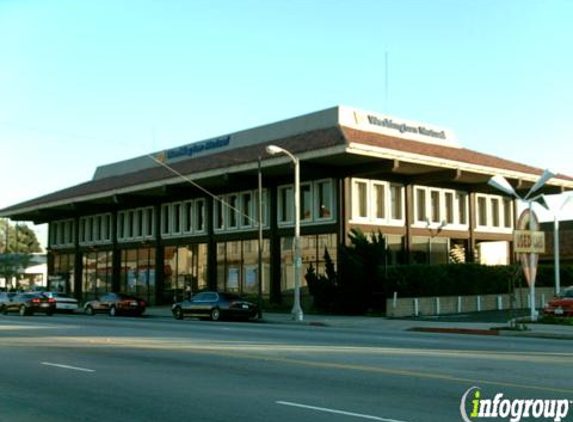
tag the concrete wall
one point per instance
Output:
(404, 307)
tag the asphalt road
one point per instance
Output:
(79, 368)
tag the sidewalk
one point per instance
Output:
(473, 324)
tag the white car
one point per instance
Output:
(64, 302)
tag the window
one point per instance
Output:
(507, 213)
(305, 202)
(131, 225)
(482, 211)
(232, 210)
(199, 215)
(435, 206)
(264, 208)
(176, 218)
(462, 199)
(247, 209)
(495, 211)
(149, 214)
(286, 205)
(188, 216)
(324, 199)
(396, 201)
(379, 200)
(449, 207)
(421, 205)
(165, 219)
(362, 199)
(219, 214)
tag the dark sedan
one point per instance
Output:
(215, 305)
(116, 304)
(29, 303)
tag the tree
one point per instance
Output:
(17, 243)
(19, 237)
(359, 284)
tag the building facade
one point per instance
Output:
(188, 218)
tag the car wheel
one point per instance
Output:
(215, 314)
(90, 310)
(113, 311)
(4, 310)
(178, 313)
(23, 311)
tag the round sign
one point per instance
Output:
(528, 221)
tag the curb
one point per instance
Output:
(443, 330)
(492, 332)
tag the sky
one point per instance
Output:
(86, 83)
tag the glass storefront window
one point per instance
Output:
(238, 266)
(185, 271)
(96, 273)
(62, 277)
(313, 252)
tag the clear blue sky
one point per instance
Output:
(84, 83)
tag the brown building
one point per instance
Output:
(188, 216)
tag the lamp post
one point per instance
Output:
(260, 238)
(556, 208)
(500, 183)
(296, 312)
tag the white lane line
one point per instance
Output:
(338, 412)
(73, 368)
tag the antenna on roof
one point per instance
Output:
(386, 81)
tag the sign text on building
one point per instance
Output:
(402, 127)
(191, 149)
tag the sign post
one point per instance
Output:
(529, 242)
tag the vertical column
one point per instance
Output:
(275, 245)
(159, 258)
(470, 253)
(211, 245)
(78, 261)
(409, 206)
(116, 256)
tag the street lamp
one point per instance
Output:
(500, 183)
(296, 312)
(556, 208)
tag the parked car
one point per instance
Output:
(215, 305)
(29, 303)
(116, 304)
(64, 302)
(6, 297)
(562, 305)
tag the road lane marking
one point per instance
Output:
(338, 412)
(73, 368)
(243, 350)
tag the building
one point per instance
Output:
(187, 217)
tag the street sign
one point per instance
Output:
(528, 225)
(527, 241)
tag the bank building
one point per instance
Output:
(187, 218)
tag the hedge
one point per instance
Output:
(465, 279)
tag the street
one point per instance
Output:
(79, 368)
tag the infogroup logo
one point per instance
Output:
(474, 407)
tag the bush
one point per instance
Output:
(363, 281)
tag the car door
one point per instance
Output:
(103, 303)
(202, 303)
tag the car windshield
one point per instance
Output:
(568, 293)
